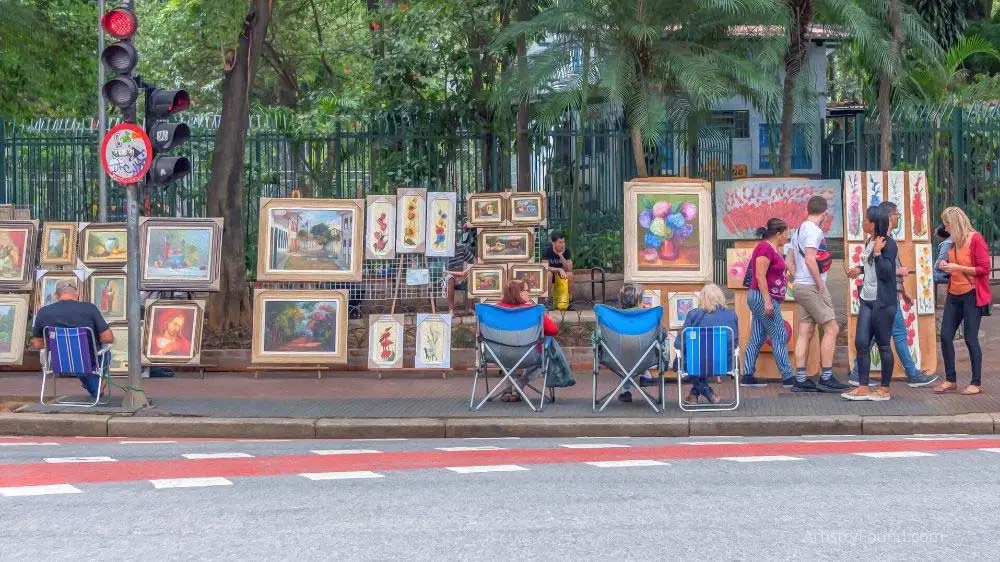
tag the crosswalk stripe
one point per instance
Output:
(462, 449)
(991, 450)
(594, 446)
(344, 451)
(48, 489)
(59, 460)
(713, 442)
(488, 468)
(382, 439)
(27, 444)
(202, 456)
(140, 442)
(341, 475)
(190, 482)
(765, 458)
(894, 454)
(625, 464)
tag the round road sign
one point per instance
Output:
(126, 153)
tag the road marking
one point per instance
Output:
(57, 460)
(151, 442)
(383, 439)
(594, 446)
(991, 450)
(624, 464)
(766, 458)
(713, 443)
(341, 475)
(895, 454)
(344, 451)
(942, 438)
(262, 440)
(830, 440)
(488, 468)
(462, 449)
(938, 434)
(27, 444)
(200, 456)
(490, 438)
(49, 489)
(189, 482)
(606, 437)
(831, 436)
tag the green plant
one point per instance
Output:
(600, 242)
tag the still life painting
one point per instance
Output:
(745, 205)
(506, 245)
(107, 292)
(310, 239)
(17, 255)
(441, 211)
(307, 327)
(527, 209)
(668, 234)
(487, 281)
(58, 243)
(853, 253)
(874, 183)
(485, 209)
(182, 254)
(678, 307)
(104, 244)
(535, 276)
(172, 331)
(385, 341)
(13, 328)
(433, 346)
(380, 231)
(411, 219)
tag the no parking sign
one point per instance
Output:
(126, 153)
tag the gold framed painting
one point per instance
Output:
(506, 245)
(385, 341)
(104, 244)
(17, 255)
(411, 220)
(107, 291)
(300, 327)
(527, 209)
(45, 287)
(59, 241)
(13, 328)
(487, 281)
(180, 254)
(485, 209)
(535, 275)
(310, 239)
(668, 231)
(172, 332)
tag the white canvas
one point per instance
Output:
(440, 237)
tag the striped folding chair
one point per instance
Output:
(628, 342)
(73, 352)
(510, 339)
(708, 351)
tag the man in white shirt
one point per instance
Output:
(809, 260)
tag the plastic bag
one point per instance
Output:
(560, 293)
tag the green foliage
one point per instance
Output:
(945, 18)
(603, 245)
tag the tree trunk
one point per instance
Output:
(801, 11)
(231, 305)
(885, 88)
(523, 152)
(639, 153)
(581, 140)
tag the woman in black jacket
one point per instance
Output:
(878, 306)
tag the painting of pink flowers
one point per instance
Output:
(668, 232)
(737, 262)
(742, 206)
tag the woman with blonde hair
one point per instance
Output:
(969, 297)
(711, 311)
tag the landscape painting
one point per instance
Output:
(380, 229)
(441, 224)
(433, 345)
(310, 240)
(58, 243)
(745, 205)
(487, 281)
(304, 327)
(668, 234)
(45, 289)
(411, 220)
(535, 276)
(385, 341)
(13, 328)
(527, 209)
(181, 253)
(485, 209)
(107, 292)
(104, 244)
(506, 245)
(17, 255)
(173, 331)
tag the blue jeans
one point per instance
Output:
(902, 347)
(90, 384)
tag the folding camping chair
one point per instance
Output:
(73, 352)
(708, 351)
(511, 339)
(628, 342)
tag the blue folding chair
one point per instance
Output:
(708, 351)
(511, 339)
(73, 352)
(628, 342)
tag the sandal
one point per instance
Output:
(510, 395)
(945, 387)
(972, 390)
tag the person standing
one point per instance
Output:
(767, 292)
(457, 271)
(809, 261)
(969, 297)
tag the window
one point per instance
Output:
(738, 120)
(801, 156)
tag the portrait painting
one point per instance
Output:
(385, 341)
(58, 243)
(668, 232)
(651, 298)
(104, 244)
(182, 254)
(535, 276)
(441, 211)
(45, 287)
(853, 209)
(411, 220)
(745, 205)
(506, 245)
(487, 281)
(433, 345)
(310, 239)
(678, 307)
(486, 209)
(17, 255)
(737, 264)
(527, 209)
(304, 327)
(919, 207)
(107, 292)
(172, 332)
(119, 350)
(380, 229)
(13, 328)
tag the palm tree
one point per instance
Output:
(945, 81)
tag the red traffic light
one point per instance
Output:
(163, 103)
(120, 23)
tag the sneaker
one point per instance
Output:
(857, 395)
(750, 380)
(832, 385)
(647, 380)
(625, 397)
(920, 379)
(805, 386)
(852, 379)
(880, 394)
(788, 383)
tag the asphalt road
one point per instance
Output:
(923, 497)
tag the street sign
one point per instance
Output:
(125, 153)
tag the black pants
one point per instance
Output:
(961, 309)
(874, 323)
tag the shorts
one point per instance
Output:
(459, 286)
(814, 307)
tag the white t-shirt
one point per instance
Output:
(807, 236)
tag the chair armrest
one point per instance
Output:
(105, 348)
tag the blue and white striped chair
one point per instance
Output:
(511, 339)
(73, 352)
(708, 351)
(628, 342)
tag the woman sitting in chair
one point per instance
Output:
(629, 297)
(517, 295)
(711, 312)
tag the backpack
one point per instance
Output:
(823, 257)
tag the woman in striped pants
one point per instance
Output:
(767, 292)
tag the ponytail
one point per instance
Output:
(772, 228)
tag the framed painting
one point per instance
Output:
(6, 212)
(506, 245)
(535, 275)
(411, 220)
(854, 252)
(487, 281)
(874, 184)
(172, 332)
(59, 241)
(485, 209)
(678, 307)
(919, 207)
(737, 263)
(527, 209)
(651, 298)
(119, 350)
(13, 328)
(180, 254)
(305, 327)
(103, 244)
(925, 279)
(894, 194)
(380, 227)
(441, 209)
(385, 341)
(910, 320)
(107, 291)
(310, 239)
(17, 255)
(854, 211)
(668, 231)
(433, 346)
(45, 287)
(742, 206)
(787, 317)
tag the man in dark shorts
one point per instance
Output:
(559, 256)
(69, 312)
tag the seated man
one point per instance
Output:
(69, 312)
(559, 256)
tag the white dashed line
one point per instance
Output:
(344, 451)
(895, 454)
(713, 443)
(625, 464)
(830, 440)
(341, 475)
(594, 446)
(49, 489)
(991, 450)
(606, 437)
(59, 460)
(942, 438)
(463, 449)
(383, 439)
(152, 442)
(489, 468)
(202, 456)
(490, 438)
(27, 444)
(189, 482)
(830, 436)
(262, 440)
(939, 434)
(767, 458)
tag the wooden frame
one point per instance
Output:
(150, 276)
(478, 273)
(119, 349)
(53, 278)
(441, 211)
(854, 208)
(501, 237)
(99, 296)
(537, 276)
(94, 251)
(264, 298)
(479, 212)
(429, 341)
(386, 345)
(411, 220)
(676, 320)
(291, 210)
(380, 227)
(157, 341)
(67, 255)
(14, 309)
(18, 244)
(539, 218)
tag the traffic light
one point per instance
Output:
(121, 57)
(160, 105)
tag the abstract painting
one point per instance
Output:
(441, 209)
(17, 255)
(487, 281)
(678, 307)
(874, 183)
(310, 239)
(912, 330)
(433, 346)
(737, 263)
(510, 245)
(895, 195)
(104, 244)
(107, 292)
(411, 220)
(853, 210)
(304, 327)
(485, 209)
(527, 209)
(854, 252)
(385, 341)
(45, 288)
(925, 278)
(651, 298)
(58, 243)
(668, 232)
(180, 254)
(172, 332)
(119, 350)
(536, 276)
(919, 207)
(745, 205)
(13, 328)
(380, 230)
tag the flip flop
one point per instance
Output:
(945, 387)
(970, 392)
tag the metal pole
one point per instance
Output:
(134, 398)
(102, 121)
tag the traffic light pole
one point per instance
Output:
(135, 398)
(102, 120)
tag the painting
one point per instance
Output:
(119, 350)
(535, 275)
(790, 292)
(511, 245)
(13, 328)
(651, 298)
(107, 291)
(527, 209)
(58, 244)
(873, 181)
(433, 347)
(17, 255)
(895, 195)
(787, 317)
(743, 206)
(441, 209)
(854, 252)
(385, 341)
(310, 239)
(487, 281)
(180, 254)
(737, 263)
(6, 212)
(45, 287)
(104, 244)
(678, 307)
(668, 231)
(853, 210)
(925, 278)
(485, 209)
(380, 228)
(172, 332)
(912, 329)
(411, 220)
(304, 327)
(919, 207)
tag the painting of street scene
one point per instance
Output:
(308, 326)
(319, 241)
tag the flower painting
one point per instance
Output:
(58, 243)
(104, 244)
(874, 184)
(485, 209)
(411, 218)
(506, 245)
(305, 327)
(527, 209)
(380, 230)
(173, 331)
(895, 196)
(912, 330)
(919, 207)
(433, 345)
(13, 328)
(534, 275)
(854, 252)
(385, 341)
(487, 281)
(441, 224)
(678, 307)
(668, 232)
(310, 240)
(925, 279)
(107, 292)
(181, 253)
(737, 263)
(853, 210)
(745, 205)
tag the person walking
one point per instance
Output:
(767, 292)
(969, 297)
